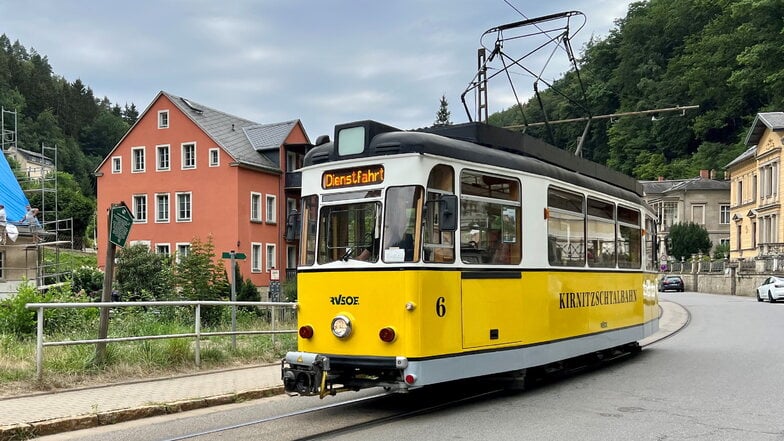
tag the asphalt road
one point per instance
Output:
(720, 378)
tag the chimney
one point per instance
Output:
(704, 174)
(713, 174)
(661, 178)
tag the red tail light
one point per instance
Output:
(306, 331)
(387, 334)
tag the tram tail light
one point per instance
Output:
(306, 331)
(387, 334)
(411, 379)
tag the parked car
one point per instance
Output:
(772, 289)
(674, 283)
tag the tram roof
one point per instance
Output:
(485, 144)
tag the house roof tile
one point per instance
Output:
(243, 139)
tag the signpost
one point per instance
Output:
(233, 256)
(120, 221)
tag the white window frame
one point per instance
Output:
(159, 246)
(163, 119)
(2, 265)
(270, 209)
(255, 257)
(159, 219)
(158, 150)
(116, 164)
(136, 154)
(255, 207)
(190, 206)
(214, 154)
(146, 243)
(140, 216)
(183, 148)
(183, 248)
(270, 252)
(724, 214)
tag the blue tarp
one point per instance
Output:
(11, 194)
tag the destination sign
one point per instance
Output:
(352, 177)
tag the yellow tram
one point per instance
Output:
(463, 251)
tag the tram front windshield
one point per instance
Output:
(354, 230)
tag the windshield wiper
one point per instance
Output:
(345, 257)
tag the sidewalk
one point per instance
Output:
(62, 411)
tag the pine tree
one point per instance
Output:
(443, 114)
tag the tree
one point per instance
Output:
(200, 277)
(443, 114)
(142, 274)
(686, 239)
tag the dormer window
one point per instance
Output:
(163, 119)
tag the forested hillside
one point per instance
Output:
(727, 56)
(55, 112)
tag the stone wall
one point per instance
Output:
(745, 283)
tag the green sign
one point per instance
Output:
(237, 256)
(120, 221)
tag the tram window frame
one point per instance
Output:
(649, 235)
(565, 208)
(402, 220)
(347, 230)
(630, 237)
(600, 218)
(490, 220)
(438, 245)
(308, 241)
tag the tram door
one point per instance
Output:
(490, 244)
(492, 308)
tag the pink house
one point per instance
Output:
(188, 171)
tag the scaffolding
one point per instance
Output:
(36, 260)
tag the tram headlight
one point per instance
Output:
(341, 326)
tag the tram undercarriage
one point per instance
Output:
(309, 374)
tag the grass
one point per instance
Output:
(74, 365)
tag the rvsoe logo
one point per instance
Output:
(344, 300)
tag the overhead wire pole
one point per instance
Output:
(681, 109)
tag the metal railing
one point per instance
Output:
(196, 335)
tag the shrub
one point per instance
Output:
(15, 319)
(289, 289)
(248, 293)
(87, 278)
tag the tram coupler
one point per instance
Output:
(305, 374)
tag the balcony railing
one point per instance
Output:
(293, 180)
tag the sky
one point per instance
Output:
(324, 62)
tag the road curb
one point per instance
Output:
(59, 425)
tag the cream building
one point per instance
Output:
(702, 200)
(755, 186)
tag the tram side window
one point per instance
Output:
(439, 246)
(629, 238)
(402, 216)
(307, 253)
(651, 256)
(565, 228)
(600, 234)
(489, 219)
